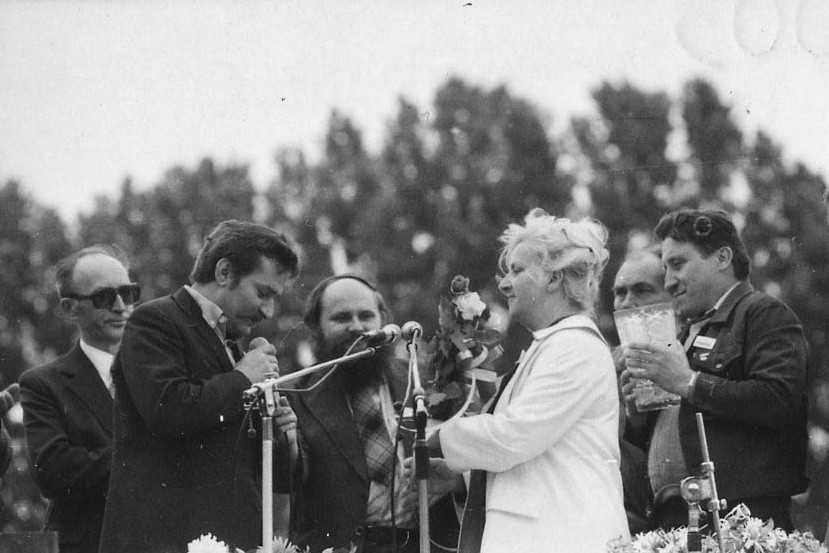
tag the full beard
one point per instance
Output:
(358, 374)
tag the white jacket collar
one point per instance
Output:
(573, 321)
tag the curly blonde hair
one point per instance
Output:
(576, 248)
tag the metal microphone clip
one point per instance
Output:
(412, 331)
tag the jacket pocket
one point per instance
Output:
(716, 360)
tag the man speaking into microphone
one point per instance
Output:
(352, 490)
(183, 464)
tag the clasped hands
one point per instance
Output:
(664, 365)
(442, 480)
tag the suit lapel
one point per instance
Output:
(211, 340)
(329, 407)
(83, 379)
(508, 383)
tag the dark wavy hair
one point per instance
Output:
(243, 244)
(708, 231)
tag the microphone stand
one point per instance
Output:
(259, 388)
(421, 451)
(264, 393)
(268, 404)
(702, 490)
(714, 502)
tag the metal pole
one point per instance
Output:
(421, 451)
(267, 483)
(258, 388)
(269, 400)
(714, 503)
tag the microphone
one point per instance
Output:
(257, 342)
(412, 331)
(259, 387)
(386, 335)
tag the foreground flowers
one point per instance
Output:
(208, 543)
(742, 533)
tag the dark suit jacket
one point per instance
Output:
(332, 503)
(751, 391)
(183, 464)
(67, 412)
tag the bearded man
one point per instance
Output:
(353, 489)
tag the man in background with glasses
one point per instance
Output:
(67, 403)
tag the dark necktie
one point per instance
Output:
(235, 350)
(694, 326)
(377, 445)
(231, 345)
(474, 510)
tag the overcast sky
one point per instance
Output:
(93, 92)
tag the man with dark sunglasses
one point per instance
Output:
(105, 298)
(67, 403)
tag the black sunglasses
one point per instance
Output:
(105, 297)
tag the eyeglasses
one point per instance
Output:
(105, 297)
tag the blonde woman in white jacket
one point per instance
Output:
(548, 448)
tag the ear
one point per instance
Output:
(223, 272)
(66, 307)
(725, 255)
(554, 280)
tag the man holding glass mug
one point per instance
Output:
(639, 282)
(743, 367)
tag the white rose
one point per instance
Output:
(470, 306)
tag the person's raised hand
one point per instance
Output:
(284, 421)
(284, 418)
(665, 366)
(9, 397)
(259, 363)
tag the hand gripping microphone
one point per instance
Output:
(257, 342)
(386, 335)
(412, 331)
(259, 387)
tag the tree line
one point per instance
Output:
(431, 204)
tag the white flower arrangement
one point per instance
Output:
(208, 543)
(741, 532)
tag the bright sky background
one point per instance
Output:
(92, 92)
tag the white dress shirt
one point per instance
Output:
(102, 360)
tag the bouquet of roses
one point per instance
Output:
(460, 371)
(742, 533)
